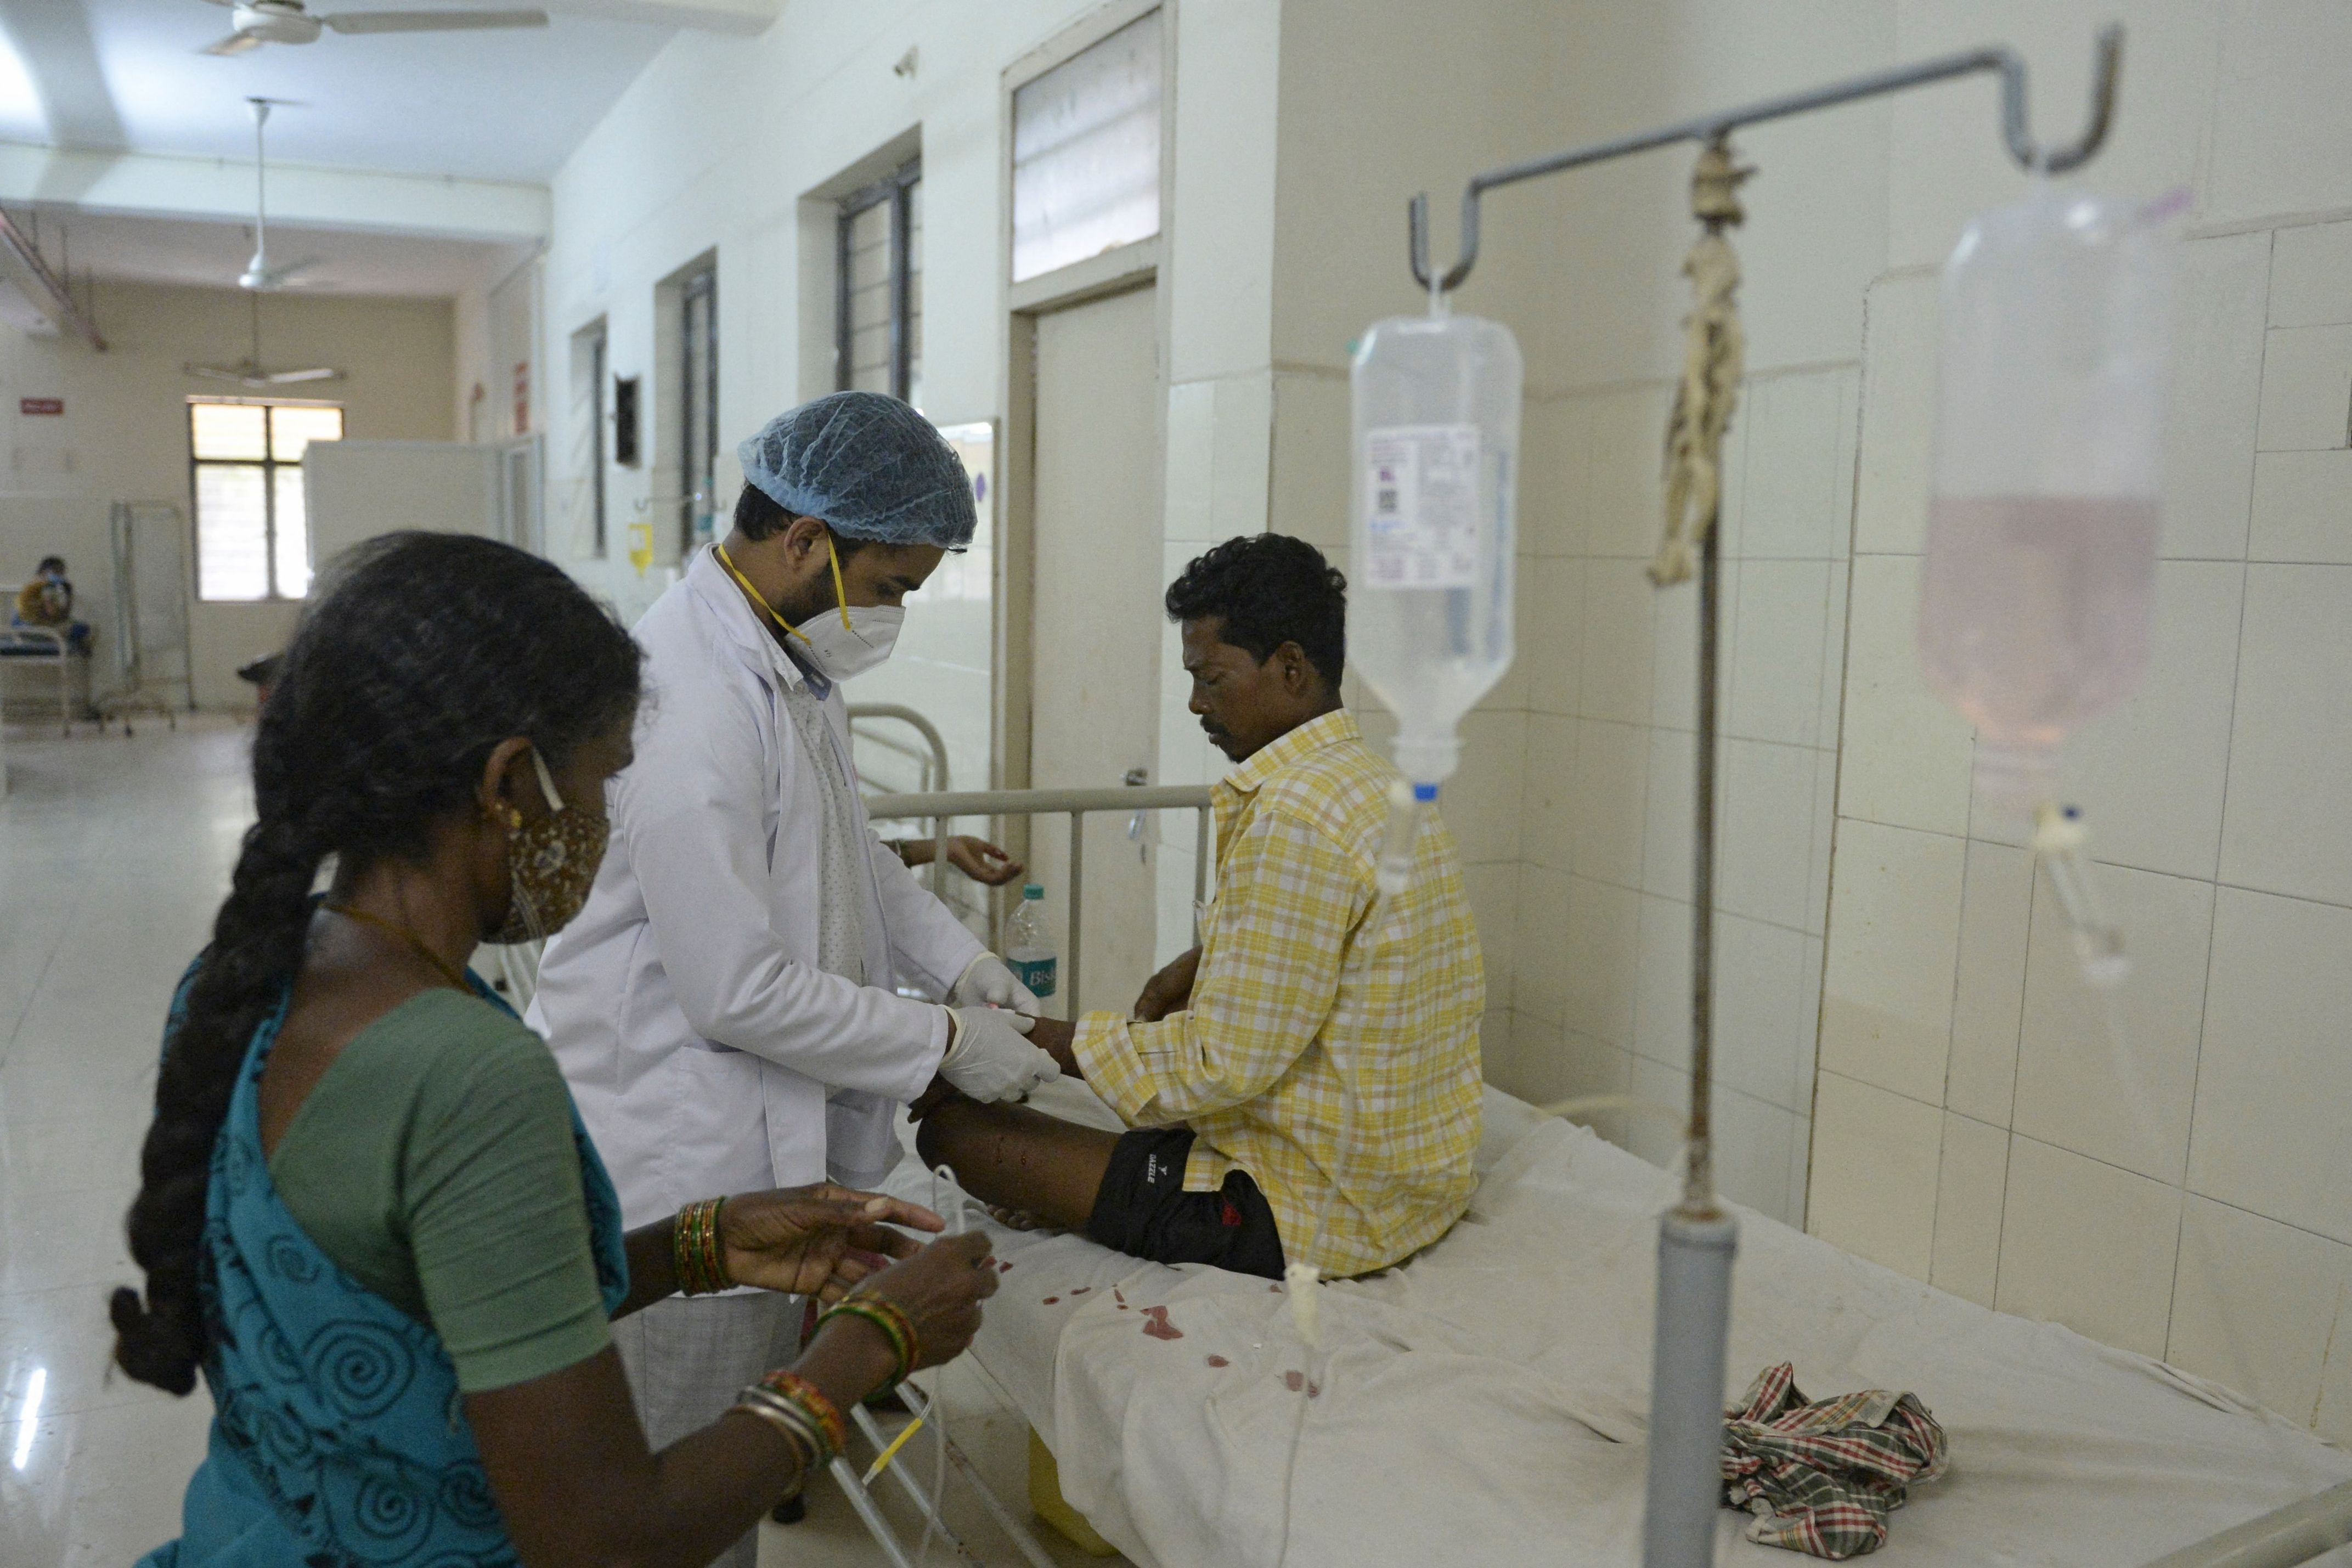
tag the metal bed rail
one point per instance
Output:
(931, 757)
(938, 807)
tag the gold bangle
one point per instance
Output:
(698, 1255)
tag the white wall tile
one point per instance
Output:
(1509, 692)
(1898, 403)
(2259, 1306)
(1792, 474)
(1192, 460)
(1482, 801)
(1611, 763)
(1547, 819)
(1988, 999)
(1801, 1166)
(1308, 461)
(1906, 755)
(1551, 634)
(2088, 1245)
(1604, 930)
(1581, 1068)
(1537, 946)
(2282, 126)
(2311, 276)
(1752, 1140)
(1666, 822)
(1760, 981)
(1243, 440)
(1556, 443)
(1894, 945)
(1656, 1138)
(2216, 380)
(2150, 773)
(1833, 659)
(2303, 507)
(1817, 873)
(1875, 1158)
(1971, 1180)
(1498, 1051)
(2110, 1073)
(2306, 389)
(1764, 834)
(2291, 742)
(1662, 1002)
(1618, 613)
(1674, 648)
(1628, 505)
(2275, 1073)
(1493, 890)
(1781, 608)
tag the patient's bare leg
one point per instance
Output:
(1018, 1158)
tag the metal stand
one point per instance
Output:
(1697, 1241)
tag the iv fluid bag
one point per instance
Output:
(1436, 475)
(2041, 523)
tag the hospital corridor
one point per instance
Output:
(1203, 784)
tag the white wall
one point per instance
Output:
(124, 435)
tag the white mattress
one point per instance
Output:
(1485, 1403)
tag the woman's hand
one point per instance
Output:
(982, 861)
(816, 1241)
(1171, 990)
(941, 1290)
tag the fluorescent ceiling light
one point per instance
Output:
(22, 113)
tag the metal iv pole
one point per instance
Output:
(1697, 1238)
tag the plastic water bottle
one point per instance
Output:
(2042, 524)
(1437, 455)
(1028, 951)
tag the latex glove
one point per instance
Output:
(991, 1059)
(986, 982)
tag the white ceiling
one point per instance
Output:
(122, 248)
(127, 75)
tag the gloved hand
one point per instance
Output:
(986, 982)
(990, 1059)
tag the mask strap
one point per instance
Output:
(767, 609)
(839, 592)
(546, 779)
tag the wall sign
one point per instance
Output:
(26, 406)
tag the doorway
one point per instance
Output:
(1095, 627)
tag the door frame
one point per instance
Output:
(1142, 264)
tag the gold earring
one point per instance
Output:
(514, 819)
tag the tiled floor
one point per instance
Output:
(113, 855)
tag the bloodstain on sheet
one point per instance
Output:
(1050, 1299)
(1120, 1297)
(1003, 1266)
(1156, 1324)
(1295, 1380)
(1081, 1289)
(1219, 1361)
(1275, 1290)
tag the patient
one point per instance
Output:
(1307, 991)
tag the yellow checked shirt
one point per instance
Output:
(1308, 990)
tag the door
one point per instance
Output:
(1095, 690)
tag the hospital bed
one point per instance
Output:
(1485, 1403)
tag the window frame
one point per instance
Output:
(898, 188)
(698, 471)
(599, 355)
(269, 463)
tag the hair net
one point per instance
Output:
(868, 466)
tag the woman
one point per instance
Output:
(369, 1214)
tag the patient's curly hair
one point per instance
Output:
(1269, 589)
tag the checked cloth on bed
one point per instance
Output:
(1822, 1478)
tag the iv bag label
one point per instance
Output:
(1421, 506)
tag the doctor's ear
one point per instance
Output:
(803, 537)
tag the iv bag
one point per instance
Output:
(2041, 523)
(1437, 460)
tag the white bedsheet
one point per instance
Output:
(1485, 1403)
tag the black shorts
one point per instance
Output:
(1142, 1209)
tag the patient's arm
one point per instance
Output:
(1171, 990)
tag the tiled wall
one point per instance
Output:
(2163, 1167)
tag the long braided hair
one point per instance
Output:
(428, 652)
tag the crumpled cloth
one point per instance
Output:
(1822, 1478)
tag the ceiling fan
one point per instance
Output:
(258, 275)
(259, 22)
(248, 372)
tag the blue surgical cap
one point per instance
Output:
(868, 466)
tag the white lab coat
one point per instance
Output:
(707, 1051)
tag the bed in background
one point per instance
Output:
(1486, 1402)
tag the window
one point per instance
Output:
(698, 406)
(1086, 152)
(591, 446)
(879, 321)
(252, 537)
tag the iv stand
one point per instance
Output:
(1697, 1238)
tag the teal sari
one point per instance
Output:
(339, 1437)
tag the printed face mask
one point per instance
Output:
(843, 642)
(551, 864)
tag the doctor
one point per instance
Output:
(724, 1006)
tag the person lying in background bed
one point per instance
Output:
(1307, 990)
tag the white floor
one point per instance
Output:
(115, 853)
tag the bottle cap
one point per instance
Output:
(1034, 891)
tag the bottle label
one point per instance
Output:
(1423, 528)
(1037, 973)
